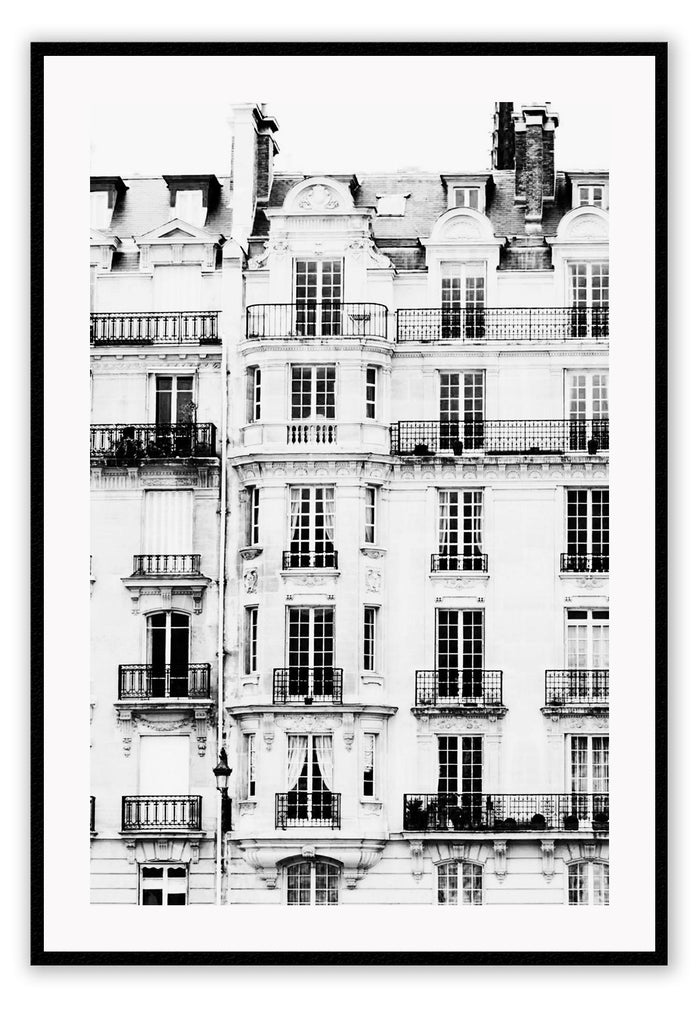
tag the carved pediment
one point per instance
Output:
(182, 231)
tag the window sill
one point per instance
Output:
(251, 680)
(372, 679)
(372, 551)
(314, 571)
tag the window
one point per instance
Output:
(460, 653)
(254, 394)
(371, 519)
(460, 765)
(251, 631)
(189, 206)
(466, 197)
(462, 410)
(462, 300)
(311, 528)
(250, 767)
(370, 660)
(168, 654)
(460, 531)
(588, 766)
(458, 883)
(100, 211)
(588, 286)
(168, 519)
(163, 886)
(369, 765)
(311, 651)
(174, 400)
(318, 294)
(371, 391)
(591, 195)
(312, 883)
(309, 777)
(587, 408)
(587, 883)
(252, 518)
(587, 638)
(313, 392)
(587, 530)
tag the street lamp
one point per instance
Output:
(223, 772)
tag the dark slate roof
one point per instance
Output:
(146, 205)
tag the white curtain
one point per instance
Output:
(445, 499)
(477, 521)
(168, 522)
(326, 496)
(297, 754)
(295, 515)
(323, 752)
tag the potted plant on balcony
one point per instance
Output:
(416, 816)
(571, 822)
(538, 821)
(459, 818)
(421, 449)
(510, 825)
(457, 447)
(600, 820)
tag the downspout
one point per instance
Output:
(222, 549)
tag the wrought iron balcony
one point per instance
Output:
(167, 565)
(302, 810)
(143, 682)
(584, 563)
(576, 686)
(190, 328)
(512, 324)
(453, 687)
(309, 560)
(505, 812)
(459, 563)
(151, 813)
(303, 432)
(317, 320)
(129, 444)
(430, 438)
(308, 685)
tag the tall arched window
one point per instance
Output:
(587, 883)
(312, 883)
(458, 883)
(168, 653)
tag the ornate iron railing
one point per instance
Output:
(429, 438)
(511, 324)
(584, 563)
(473, 687)
(585, 686)
(308, 685)
(301, 810)
(304, 432)
(459, 563)
(129, 444)
(190, 328)
(505, 812)
(143, 813)
(143, 682)
(167, 565)
(318, 319)
(309, 560)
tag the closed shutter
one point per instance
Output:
(168, 523)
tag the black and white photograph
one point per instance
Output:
(370, 392)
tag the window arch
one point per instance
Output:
(587, 883)
(168, 639)
(312, 882)
(458, 883)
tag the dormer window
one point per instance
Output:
(591, 195)
(391, 205)
(467, 191)
(104, 193)
(589, 188)
(191, 196)
(467, 197)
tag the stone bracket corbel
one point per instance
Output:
(348, 729)
(201, 722)
(124, 718)
(268, 730)
(500, 858)
(417, 855)
(547, 849)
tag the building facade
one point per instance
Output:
(350, 483)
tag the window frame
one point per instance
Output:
(372, 391)
(251, 640)
(594, 871)
(372, 736)
(371, 502)
(314, 416)
(250, 766)
(312, 863)
(252, 517)
(253, 394)
(370, 610)
(165, 867)
(478, 872)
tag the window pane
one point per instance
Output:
(447, 884)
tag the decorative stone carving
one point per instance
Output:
(417, 855)
(308, 852)
(356, 866)
(374, 580)
(250, 580)
(311, 582)
(263, 862)
(163, 725)
(373, 807)
(547, 849)
(348, 730)
(268, 730)
(500, 858)
(308, 723)
(587, 225)
(318, 197)
(371, 552)
(247, 554)
(125, 720)
(201, 721)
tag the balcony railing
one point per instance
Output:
(318, 320)
(303, 432)
(459, 563)
(129, 444)
(307, 685)
(472, 687)
(428, 438)
(505, 812)
(309, 560)
(584, 563)
(143, 682)
(167, 565)
(190, 328)
(576, 686)
(483, 324)
(301, 810)
(150, 813)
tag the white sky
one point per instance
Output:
(341, 114)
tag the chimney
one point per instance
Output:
(253, 148)
(503, 137)
(534, 160)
